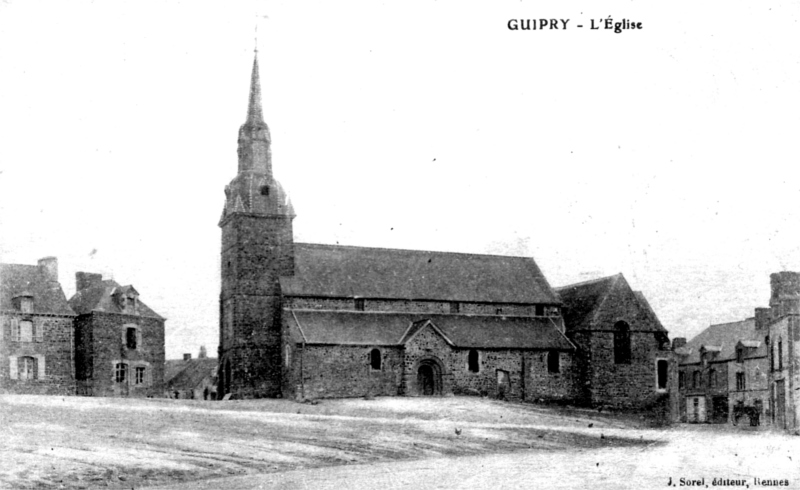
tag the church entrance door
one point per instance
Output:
(425, 380)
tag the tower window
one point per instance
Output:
(264, 190)
(780, 354)
(681, 380)
(552, 362)
(472, 361)
(622, 343)
(375, 359)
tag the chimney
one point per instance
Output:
(763, 316)
(678, 342)
(85, 280)
(187, 357)
(49, 267)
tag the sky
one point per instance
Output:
(668, 153)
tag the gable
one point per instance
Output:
(427, 337)
(600, 304)
(100, 297)
(344, 272)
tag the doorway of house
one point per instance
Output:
(429, 378)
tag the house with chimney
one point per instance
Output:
(119, 340)
(36, 330)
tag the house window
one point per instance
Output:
(498, 311)
(712, 378)
(539, 310)
(552, 361)
(27, 368)
(739, 355)
(139, 375)
(740, 381)
(264, 190)
(130, 338)
(375, 359)
(121, 372)
(661, 374)
(455, 307)
(26, 305)
(472, 361)
(25, 331)
(622, 343)
(780, 354)
(359, 304)
(681, 380)
(696, 379)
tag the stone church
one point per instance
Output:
(306, 320)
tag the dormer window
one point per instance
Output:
(130, 304)
(740, 354)
(359, 304)
(26, 304)
(539, 310)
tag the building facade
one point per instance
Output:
(308, 320)
(119, 340)
(36, 330)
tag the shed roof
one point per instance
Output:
(189, 373)
(345, 271)
(466, 331)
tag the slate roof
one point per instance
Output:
(190, 373)
(581, 301)
(344, 271)
(466, 331)
(98, 297)
(726, 336)
(48, 298)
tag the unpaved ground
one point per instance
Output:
(52, 442)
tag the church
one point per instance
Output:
(305, 321)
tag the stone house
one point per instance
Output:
(119, 340)
(194, 379)
(722, 374)
(624, 354)
(307, 320)
(36, 330)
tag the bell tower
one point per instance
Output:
(257, 249)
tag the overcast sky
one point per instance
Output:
(669, 154)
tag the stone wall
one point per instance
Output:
(108, 348)
(52, 350)
(630, 385)
(324, 371)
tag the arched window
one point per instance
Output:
(375, 359)
(780, 354)
(472, 361)
(622, 343)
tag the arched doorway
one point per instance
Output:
(429, 378)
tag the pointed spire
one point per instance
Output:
(254, 114)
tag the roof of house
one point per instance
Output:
(189, 373)
(466, 331)
(99, 297)
(584, 302)
(725, 336)
(21, 279)
(344, 271)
